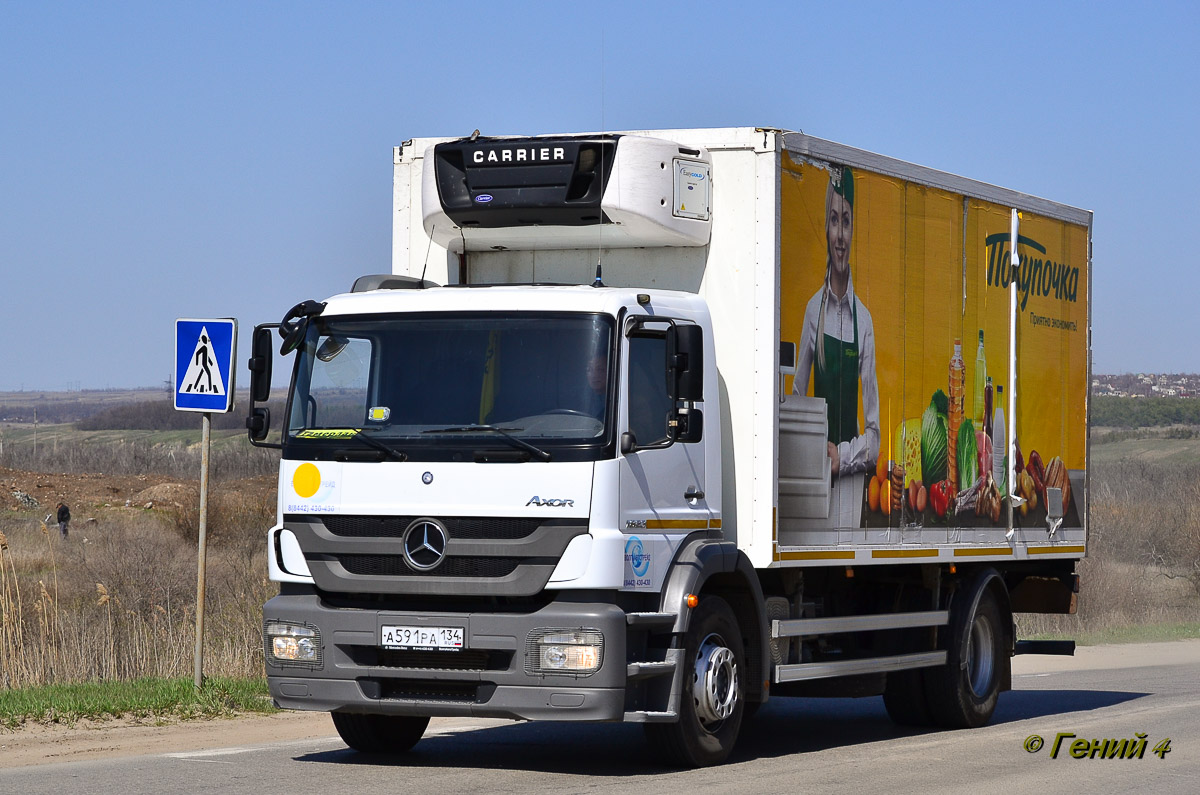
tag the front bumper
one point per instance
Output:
(488, 678)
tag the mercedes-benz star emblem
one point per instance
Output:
(425, 544)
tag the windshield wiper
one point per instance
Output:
(513, 440)
(378, 445)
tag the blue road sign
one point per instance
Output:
(204, 352)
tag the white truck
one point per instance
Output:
(653, 426)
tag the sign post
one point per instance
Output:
(204, 382)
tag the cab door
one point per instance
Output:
(662, 483)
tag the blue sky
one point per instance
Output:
(163, 160)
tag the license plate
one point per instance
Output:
(401, 637)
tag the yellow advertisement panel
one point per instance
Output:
(896, 297)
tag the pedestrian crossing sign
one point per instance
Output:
(204, 351)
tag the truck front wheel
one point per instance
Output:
(714, 686)
(379, 734)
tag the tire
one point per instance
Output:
(714, 662)
(379, 734)
(962, 694)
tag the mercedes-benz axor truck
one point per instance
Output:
(655, 426)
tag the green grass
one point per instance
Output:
(160, 699)
(1139, 633)
(1150, 447)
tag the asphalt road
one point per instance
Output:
(812, 745)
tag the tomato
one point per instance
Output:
(939, 497)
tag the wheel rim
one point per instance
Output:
(715, 687)
(981, 657)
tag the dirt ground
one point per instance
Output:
(87, 493)
(40, 744)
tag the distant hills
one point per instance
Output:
(1118, 401)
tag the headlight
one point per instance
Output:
(579, 652)
(298, 644)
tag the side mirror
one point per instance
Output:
(689, 363)
(260, 365)
(258, 421)
(258, 424)
(295, 324)
(628, 443)
(691, 427)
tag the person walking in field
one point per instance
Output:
(64, 519)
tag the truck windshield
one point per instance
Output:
(436, 386)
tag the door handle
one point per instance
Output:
(693, 493)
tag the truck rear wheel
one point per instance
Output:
(379, 734)
(714, 687)
(962, 694)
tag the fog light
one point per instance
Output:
(292, 643)
(578, 652)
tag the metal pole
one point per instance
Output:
(1010, 427)
(203, 546)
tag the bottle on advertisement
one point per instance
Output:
(958, 386)
(999, 459)
(980, 382)
(987, 408)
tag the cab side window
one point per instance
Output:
(649, 399)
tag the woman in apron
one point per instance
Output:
(837, 342)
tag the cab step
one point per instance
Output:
(652, 620)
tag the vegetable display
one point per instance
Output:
(912, 478)
(967, 455)
(934, 447)
(939, 498)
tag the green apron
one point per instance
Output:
(838, 384)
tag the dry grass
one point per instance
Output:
(231, 458)
(116, 600)
(1143, 564)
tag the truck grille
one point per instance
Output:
(409, 660)
(394, 566)
(447, 692)
(484, 556)
(467, 527)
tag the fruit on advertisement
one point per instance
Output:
(1027, 489)
(908, 449)
(939, 498)
(873, 493)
